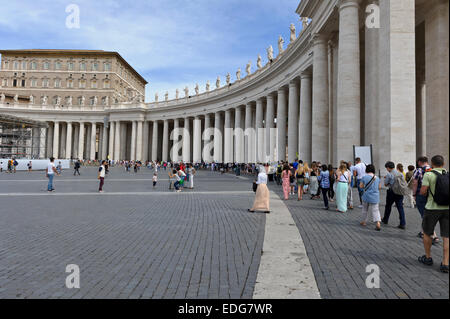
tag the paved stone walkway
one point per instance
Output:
(177, 245)
(134, 241)
(339, 250)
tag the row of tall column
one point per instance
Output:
(76, 140)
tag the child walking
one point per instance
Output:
(155, 179)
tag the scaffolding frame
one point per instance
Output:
(22, 137)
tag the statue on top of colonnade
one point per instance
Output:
(186, 92)
(177, 94)
(197, 89)
(280, 46)
(238, 74)
(259, 62)
(270, 53)
(218, 82)
(44, 100)
(31, 99)
(207, 86)
(16, 98)
(304, 21)
(2, 98)
(248, 68)
(293, 32)
(228, 78)
(156, 97)
(166, 96)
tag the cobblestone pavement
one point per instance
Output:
(339, 250)
(194, 244)
(165, 245)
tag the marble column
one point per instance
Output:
(165, 144)
(42, 141)
(138, 154)
(259, 127)
(270, 136)
(186, 152)
(100, 142)
(69, 141)
(81, 142)
(155, 140)
(117, 142)
(349, 81)
(76, 138)
(281, 125)
(371, 108)
(50, 141)
(305, 118)
(93, 140)
(104, 140)
(320, 125)
(145, 141)
(249, 133)
(397, 83)
(228, 138)
(238, 135)
(88, 141)
(207, 143)
(218, 138)
(111, 140)
(437, 78)
(133, 140)
(62, 143)
(176, 140)
(197, 141)
(56, 140)
(293, 121)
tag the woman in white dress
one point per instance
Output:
(261, 202)
(191, 172)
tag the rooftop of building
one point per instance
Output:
(75, 52)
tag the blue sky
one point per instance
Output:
(171, 43)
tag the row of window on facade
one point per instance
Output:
(57, 65)
(57, 83)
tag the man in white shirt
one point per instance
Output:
(50, 173)
(101, 176)
(359, 172)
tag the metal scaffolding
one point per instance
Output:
(22, 137)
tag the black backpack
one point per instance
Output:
(441, 189)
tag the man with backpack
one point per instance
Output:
(396, 184)
(435, 186)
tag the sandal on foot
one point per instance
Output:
(435, 241)
(426, 261)
(420, 235)
(444, 268)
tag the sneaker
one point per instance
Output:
(426, 261)
(444, 268)
(401, 227)
(360, 206)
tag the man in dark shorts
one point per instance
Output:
(434, 213)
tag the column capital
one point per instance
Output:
(293, 83)
(305, 75)
(343, 4)
(319, 38)
(282, 91)
(270, 96)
